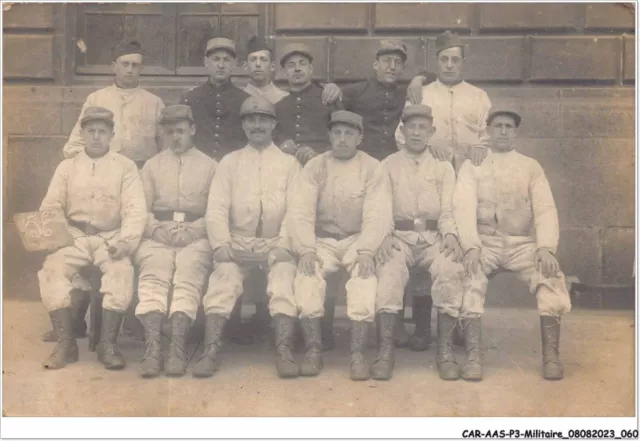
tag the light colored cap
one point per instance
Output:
(220, 43)
(346, 117)
(257, 104)
(295, 48)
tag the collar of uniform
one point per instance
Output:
(382, 85)
(83, 157)
(226, 86)
(264, 89)
(129, 91)
(424, 156)
(270, 147)
(455, 86)
(307, 89)
(189, 152)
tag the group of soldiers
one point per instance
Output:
(379, 181)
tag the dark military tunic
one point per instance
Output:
(303, 118)
(216, 111)
(380, 106)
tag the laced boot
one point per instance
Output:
(108, 353)
(472, 369)
(152, 361)
(312, 362)
(552, 368)
(359, 366)
(178, 357)
(382, 368)
(209, 361)
(447, 366)
(285, 363)
(66, 351)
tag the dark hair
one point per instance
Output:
(461, 51)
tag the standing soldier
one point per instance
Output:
(100, 195)
(425, 236)
(341, 211)
(459, 115)
(507, 219)
(261, 68)
(174, 255)
(302, 116)
(245, 214)
(216, 103)
(136, 114)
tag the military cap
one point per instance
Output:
(176, 112)
(256, 44)
(416, 110)
(346, 117)
(295, 48)
(392, 45)
(447, 40)
(126, 48)
(220, 43)
(257, 104)
(504, 110)
(97, 114)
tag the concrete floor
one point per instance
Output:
(597, 349)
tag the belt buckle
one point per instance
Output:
(419, 225)
(178, 216)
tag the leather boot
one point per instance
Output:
(312, 362)
(359, 366)
(152, 360)
(66, 351)
(79, 305)
(285, 363)
(447, 366)
(421, 338)
(326, 323)
(472, 369)
(209, 362)
(382, 368)
(178, 357)
(552, 368)
(108, 352)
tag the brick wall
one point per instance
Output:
(569, 67)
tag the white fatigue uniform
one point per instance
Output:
(422, 189)
(271, 92)
(505, 208)
(340, 209)
(175, 186)
(107, 194)
(246, 211)
(459, 115)
(136, 115)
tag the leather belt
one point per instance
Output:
(177, 216)
(417, 225)
(321, 234)
(85, 227)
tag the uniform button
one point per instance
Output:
(298, 99)
(217, 94)
(217, 127)
(297, 125)
(298, 116)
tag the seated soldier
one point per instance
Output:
(340, 213)
(174, 255)
(244, 218)
(100, 194)
(507, 219)
(425, 237)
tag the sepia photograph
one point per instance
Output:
(320, 210)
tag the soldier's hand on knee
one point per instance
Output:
(471, 262)
(304, 154)
(385, 252)
(546, 263)
(366, 266)
(119, 250)
(162, 235)
(331, 93)
(279, 254)
(181, 238)
(477, 154)
(223, 254)
(307, 263)
(451, 247)
(414, 91)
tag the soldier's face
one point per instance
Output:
(178, 136)
(503, 131)
(260, 66)
(450, 65)
(127, 69)
(388, 68)
(258, 128)
(298, 69)
(417, 131)
(96, 136)
(220, 64)
(345, 140)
